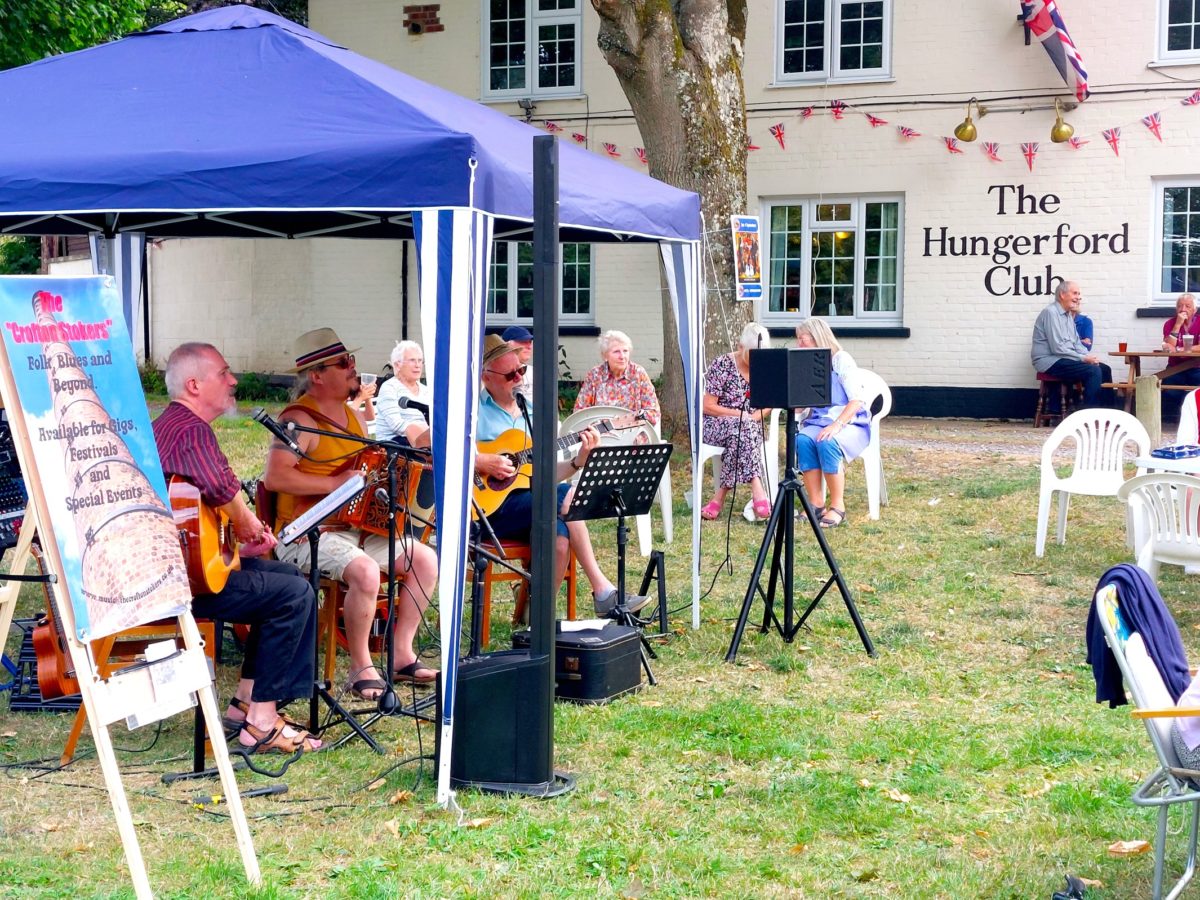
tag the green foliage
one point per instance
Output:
(32, 29)
(257, 386)
(153, 383)
(19, 256)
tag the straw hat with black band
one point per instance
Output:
(317, 347)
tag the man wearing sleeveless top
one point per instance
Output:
(326, 379)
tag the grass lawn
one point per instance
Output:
(968, 760)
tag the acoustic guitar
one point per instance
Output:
(55, 671)
(490, 493)
(206, 535)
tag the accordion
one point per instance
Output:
(369, 511)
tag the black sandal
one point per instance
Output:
(827, 522)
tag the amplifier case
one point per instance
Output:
(595, 665)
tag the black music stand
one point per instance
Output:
(781, 532)
(620, 482)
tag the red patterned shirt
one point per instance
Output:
(188, 446)
(632, 389)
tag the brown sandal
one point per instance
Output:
(275, 741)
(244, 708)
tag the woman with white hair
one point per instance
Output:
(393, 422)
(729, 422)
(618, 380)
(831, 436)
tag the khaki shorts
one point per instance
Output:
(337, 549)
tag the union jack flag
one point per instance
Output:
(579, 138)
(992, 150)
(750, 145)
(777, 133)
(1113, 136)
(1154, 123)
(641, 155)
(875, 120)
(1077, 143)
(611, 150)
(1030, 152)
(807, 112)
(952, 144)
(905, 132)
(553, 127)
(1192, 99)
(838, 108)
(1045, 21)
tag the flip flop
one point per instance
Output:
(828, 522)
(408, 674)
(367, 684)
(711, 510)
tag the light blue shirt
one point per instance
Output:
(492, 420)
(1055, 338)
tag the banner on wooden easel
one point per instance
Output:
(72, 389)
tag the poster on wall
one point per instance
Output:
(747, 254)
(73, 392)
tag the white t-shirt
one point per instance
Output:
(390, 420)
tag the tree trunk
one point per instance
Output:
(679, 63)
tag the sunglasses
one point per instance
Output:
(515, 375)
(342, 362)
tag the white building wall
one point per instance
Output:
(959, 333)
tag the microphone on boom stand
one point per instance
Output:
(260, 416)
(422, 408)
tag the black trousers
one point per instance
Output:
(277, 602)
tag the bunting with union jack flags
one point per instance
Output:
(1191, 99)
(641, 155)
(1043, 19)
(1154, 123)
(875, 120)
(777, 133)
(991, 150)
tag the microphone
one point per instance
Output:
(260, 416)
(407, 403)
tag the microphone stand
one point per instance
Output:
(387, 703)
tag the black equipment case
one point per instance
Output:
(594, 665)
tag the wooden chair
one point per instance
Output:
(1070, 392)
(521, 554)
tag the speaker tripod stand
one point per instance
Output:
(779, 540)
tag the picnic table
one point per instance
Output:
(1181, 363)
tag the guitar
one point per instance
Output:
(491, 492)
(206, 537)
(55, 671)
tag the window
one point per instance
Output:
(834, 40)
(531, 48)
(1178, 30)
(839, 258)
(1178, 250)
(510, 294)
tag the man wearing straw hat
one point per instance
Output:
(327, 378)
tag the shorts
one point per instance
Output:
(337, 549)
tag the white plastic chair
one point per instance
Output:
(585, 417)
(1189, 429)
(872, 457)
(771, 451)
(1169, 784)
(1164, 519)
(1100, 436)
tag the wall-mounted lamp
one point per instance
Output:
(965, 131)
(1060, 131)
(528, 106)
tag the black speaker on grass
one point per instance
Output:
(499, 735)
(789, 378)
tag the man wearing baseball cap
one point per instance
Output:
(327, 378)
(501, 411)
(522, 339)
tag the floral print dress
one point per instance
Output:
(742, 460)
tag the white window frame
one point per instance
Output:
(833, 73)
(1166, 56)
(1157, 294)
(862, 318)
(533, 19)
(564, 318)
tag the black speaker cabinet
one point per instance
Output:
(790, 378)
(500, 737)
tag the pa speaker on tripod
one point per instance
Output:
(790, 378)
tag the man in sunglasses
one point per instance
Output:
(327, 378)
(502, 409)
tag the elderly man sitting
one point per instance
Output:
(1058, 351)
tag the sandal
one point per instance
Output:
(232, 724)
(357, 688)
(762, 509)
(711, 510)
(408, 674)
(828, 522)
(275, 741)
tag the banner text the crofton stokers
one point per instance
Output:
(1009, 277)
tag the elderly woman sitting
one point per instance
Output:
(393, 422)
(833, 435)
(731, 424)
(618, 381)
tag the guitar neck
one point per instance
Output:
(524, 457)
